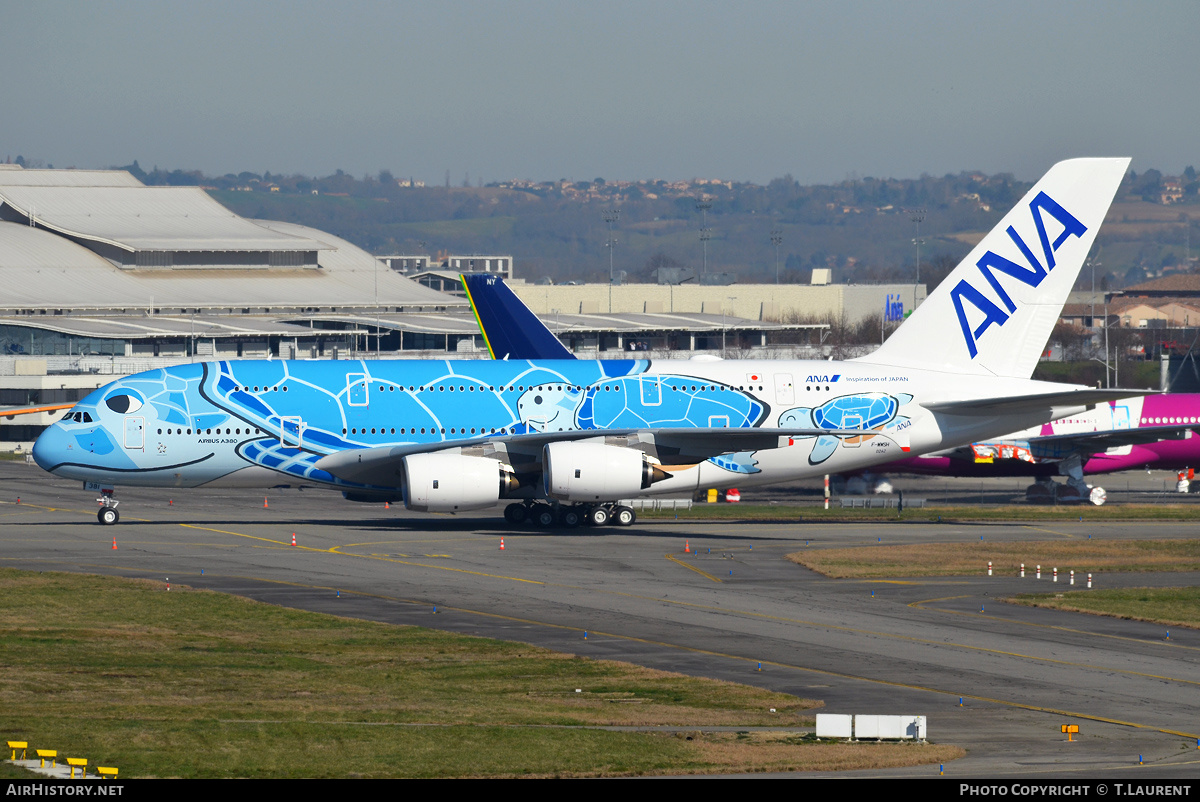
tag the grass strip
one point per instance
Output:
(1176, 607)
(958, 559)
(199, 684)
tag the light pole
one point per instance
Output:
(610, 216)
(777, 240)
(703, 206)
(917, 216)
(728, 298)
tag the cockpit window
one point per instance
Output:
(123, 404)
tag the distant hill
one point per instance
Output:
(864, 229)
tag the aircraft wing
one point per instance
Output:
(11, 412)
(988, 407)
(1061, 446)
(382, 466)
(1050, 446)
(510, 330)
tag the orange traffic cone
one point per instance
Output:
(501, 544)
(114, 543)
(387, 506)
(264, 502)
(293, 538)
(687, 547)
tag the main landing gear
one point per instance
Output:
(107, 514)
(545, 516)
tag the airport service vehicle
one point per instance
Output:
(565, 440)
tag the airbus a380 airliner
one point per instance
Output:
(566, 439)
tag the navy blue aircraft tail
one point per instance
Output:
(510, 330)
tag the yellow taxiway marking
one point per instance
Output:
(692, 649)
(678, 561)
(742, 658)
(748, 613)
(45, 508)
(336, 550)
(763, 616)
(1049, 531)
(920, 605)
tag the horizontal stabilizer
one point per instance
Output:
(510, 330)
(1020, 404)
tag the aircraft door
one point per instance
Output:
(1120, 415)
(135, 432)
(651, 387)
(785, 391)
(291, 432)
(357, 389)
(853, 422)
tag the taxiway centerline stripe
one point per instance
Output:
(678, 561)
(712, 653)
(780, 664)
(918, 605)
(764, 616)
(1049, 531)
(69, 509)
(335, 550)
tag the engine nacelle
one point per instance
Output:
(596, 472)
(452, 482)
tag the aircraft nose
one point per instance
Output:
(50, 449)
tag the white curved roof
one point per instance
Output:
(138, 218)
(14, 176)
(41, 270)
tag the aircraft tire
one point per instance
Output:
(544, 516)
(108, 516)
(624, 516)
(598, 516)
(516, 514)
(570, 517)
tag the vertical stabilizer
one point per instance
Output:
(994, 313)
(510, 330)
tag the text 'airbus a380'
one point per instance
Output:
(567, 439)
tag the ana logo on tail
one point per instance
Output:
(1033, 276)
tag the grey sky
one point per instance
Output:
(619, 90)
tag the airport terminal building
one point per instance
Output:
(104, 276)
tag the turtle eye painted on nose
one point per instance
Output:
(123, 404)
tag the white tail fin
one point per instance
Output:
(994, 313)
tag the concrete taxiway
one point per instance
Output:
(732, 603)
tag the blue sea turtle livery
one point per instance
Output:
(504, 397)
(644, 402)
(859, 411)
(530, 400)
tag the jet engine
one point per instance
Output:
(596, 472)
(453, 482)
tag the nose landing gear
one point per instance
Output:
(107, 514)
